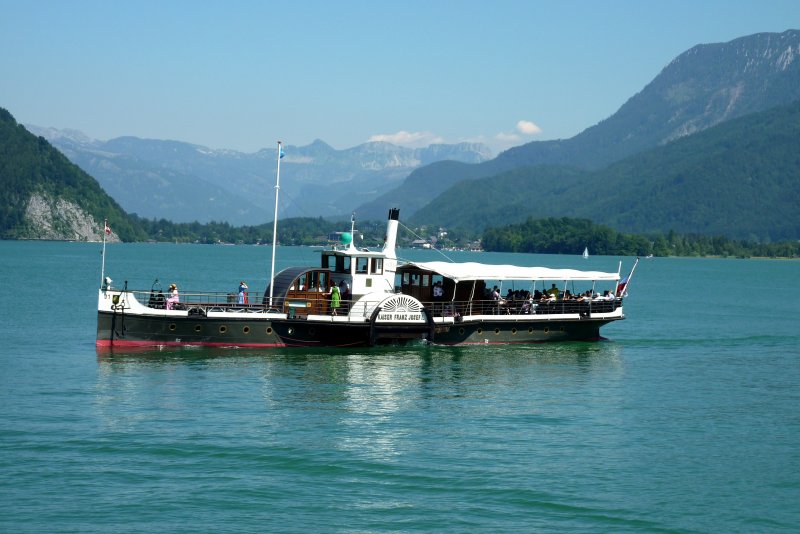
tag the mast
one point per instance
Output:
(275, 221)
(106, 231)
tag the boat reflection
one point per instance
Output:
(364, 402)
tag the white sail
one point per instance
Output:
(585, 253)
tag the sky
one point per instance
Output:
(242, 75)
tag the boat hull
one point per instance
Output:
(128, 330)
(486, 332)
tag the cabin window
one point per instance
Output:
(328, 261)
(343, 264)
(302, 282)
(377, 265)
(312, 282)
(323, 282)
(361, 265)
(426, 280)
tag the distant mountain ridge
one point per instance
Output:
(703, 87)
(739, 179)
(709, 146)
(184, 182)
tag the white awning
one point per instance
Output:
(461, 272)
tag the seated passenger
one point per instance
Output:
(173, 298)
(553, 291)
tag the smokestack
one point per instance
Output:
(391, 233)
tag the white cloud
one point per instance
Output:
(408, 139)
(528, 128)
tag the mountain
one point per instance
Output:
(185, 182)
(739, 179)
(44, 196)
(703, 87)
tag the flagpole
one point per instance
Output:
(275, 224)
(631, 273)
(103, 263)
(628, 278)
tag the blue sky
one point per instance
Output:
(242, 74)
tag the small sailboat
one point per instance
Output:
(586, 253)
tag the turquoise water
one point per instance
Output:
(685, 420)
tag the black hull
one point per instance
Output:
(519, 332)
(126, 330)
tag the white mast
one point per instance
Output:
(275, 222)
(106, 230)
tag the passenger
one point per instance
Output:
(242, 293)
(173, 298)
(344, 291)
(438, 290)
(335, 296)
(553, 291)
(496, 293)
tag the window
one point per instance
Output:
(361, 265)
(377, 265)
(302, 282)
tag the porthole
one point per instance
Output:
(513, 331)
(479, 331)
(530, 330)
(312, 332)
(461, 331)
(223, 329)
(269, 330)
(497, 331)
(290, 331)
(173, 327)
(198, 328)
(246, 330)
(546, 329)
(562, 329)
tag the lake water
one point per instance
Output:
(686, 420)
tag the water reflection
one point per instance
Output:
(363, 402)
(422, 366)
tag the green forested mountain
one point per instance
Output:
(740, 179)
(40, 187)
(703, 87)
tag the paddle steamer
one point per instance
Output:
(380, 303)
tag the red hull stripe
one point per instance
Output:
(126, 343)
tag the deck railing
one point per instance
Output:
(520, 307)
(221, 301)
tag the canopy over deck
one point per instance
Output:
(462, 272)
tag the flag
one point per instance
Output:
(107, 229)
(280, 151)
(621, 286)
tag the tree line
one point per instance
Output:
(570, 236)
